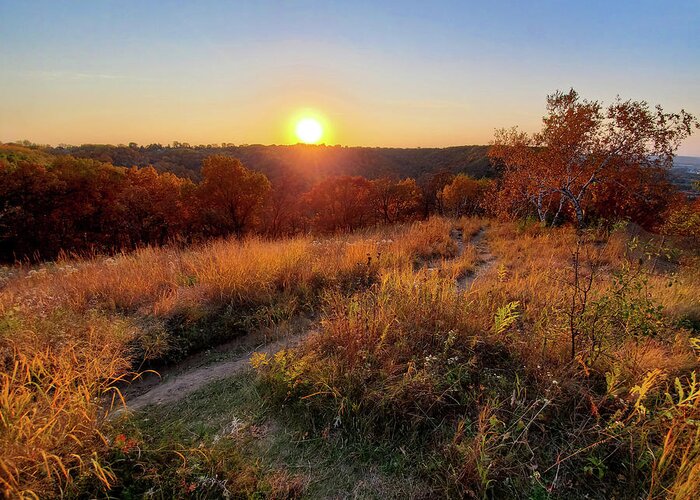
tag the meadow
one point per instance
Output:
(449, 357)
(349, 250)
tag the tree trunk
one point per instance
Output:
(579, 212)
(556, 215)
(576, 203)
(540, 212)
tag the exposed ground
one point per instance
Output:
(485, 259)
(176, 383)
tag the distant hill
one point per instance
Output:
(308, 163)
(14, 153)
(686, 171)
(687, 162)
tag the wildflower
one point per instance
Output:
(430, 359)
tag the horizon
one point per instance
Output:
(245, 145)
(377, 75)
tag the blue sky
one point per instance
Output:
(378, 73)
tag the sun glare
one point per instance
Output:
(309, 131)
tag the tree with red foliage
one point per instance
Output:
(394, 201)
(340, 203)
(638, 194)
(583, 145)
(283, 213)
(27, 194)
(156, 208)
(231, 196)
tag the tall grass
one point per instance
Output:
(56, 373)
(488, 373)
(482, 377)
(70, 329)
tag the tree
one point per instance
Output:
(464, 195)
(28, 193)
(394, 201)
(431, 186)
(583, 145)
(283, 210)
(340, 203)
(155, 206)
(637, 194)
(231, 196)
(683, 220)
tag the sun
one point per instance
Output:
(309, 130)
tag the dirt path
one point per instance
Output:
(485, 260)
(175, 386)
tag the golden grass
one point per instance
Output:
(51, 406)
(69, 329)
(411, 350)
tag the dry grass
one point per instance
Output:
(412, 353)
(401, 348)
(51, 403)
(69, 329)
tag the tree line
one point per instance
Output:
(77, 205)
(310, 163)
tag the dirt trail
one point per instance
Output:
(175, 386)
(485, 259)
(179, 381)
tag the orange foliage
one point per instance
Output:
(231, 196)
(464, 195)
(583, 148)
(340, 203)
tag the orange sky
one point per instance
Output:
(378, 73)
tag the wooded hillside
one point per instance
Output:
(310, 163)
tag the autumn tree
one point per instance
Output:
(157, 206)
(340, 203)
(86, 211)
(283, 213)
(231, 196)
(28, 193)
(464, 195)
(683, 220)
(522, 186)
(582, 145)
(637, 194)
(431, 186)
(394, 201)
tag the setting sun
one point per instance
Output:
(309, 131)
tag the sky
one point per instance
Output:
(375, 73)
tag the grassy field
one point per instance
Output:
(452, 358)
